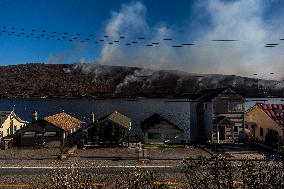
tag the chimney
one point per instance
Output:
(34, 116)
(92, 118)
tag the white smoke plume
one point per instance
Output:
(241, 20)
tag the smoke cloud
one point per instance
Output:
(241, 20)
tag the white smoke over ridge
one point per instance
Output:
(241, 20)
(138, 75)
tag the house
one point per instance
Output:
(10, 123)
(51, 128)
(264, 117)
(217, 115)
(112, 128)
(157, 129)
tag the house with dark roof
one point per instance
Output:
(112, 128)
(10, 123)
(51, 128)
(264, 117)
(158, 129)
(217, 115)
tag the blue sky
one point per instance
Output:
(253, 22)
(72, 16)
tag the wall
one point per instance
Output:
(193, 121)
(208, 123)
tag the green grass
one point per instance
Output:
(164, 145)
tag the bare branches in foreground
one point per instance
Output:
(220, 173)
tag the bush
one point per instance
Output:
(272, 138)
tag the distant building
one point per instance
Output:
(157, 129)
(112, 128)
(217, 115)
(52, 128)
(10, 123)
(264, 117)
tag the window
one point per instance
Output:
(169, 135)
(154, 136)
(236, 129)
(261, 132)
(235, 107)
(50, 134)
(15, 128)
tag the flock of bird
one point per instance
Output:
(105, 40)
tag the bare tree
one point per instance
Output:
(218, 173)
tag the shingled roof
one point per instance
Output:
(274, 111)
(154, 119)
(63, 121)
(118, 119)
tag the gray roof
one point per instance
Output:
(118, 119)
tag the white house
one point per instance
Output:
(157, 129)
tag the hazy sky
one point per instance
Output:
(254, 23)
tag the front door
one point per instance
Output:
(221, 132)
